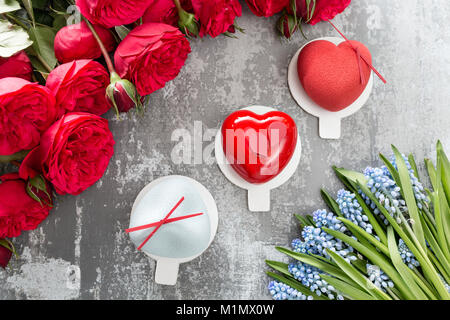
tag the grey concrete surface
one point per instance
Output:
(81, 250)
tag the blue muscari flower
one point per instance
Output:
(322, 218)
(316, 241)
(352, 210)
(309, 276)
(281, 291)
(381, 183)
(407, 256)
(378, 277)
(298, 246)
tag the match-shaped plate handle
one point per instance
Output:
(259, 199)
(330, 127)
(166, 272)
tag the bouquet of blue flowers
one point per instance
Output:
(385, 237)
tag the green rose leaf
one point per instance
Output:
(41, 4)
(12, 39)
(43, 41)
(59, 22)
(9, 6)
(16, 156)
(29, 7)
(122, 31)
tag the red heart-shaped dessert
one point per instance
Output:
(331, 75)
(259, 147)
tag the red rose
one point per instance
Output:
(80, 85)
(27, 109)
(18, 211)
(216, 16)
(165, 11)
(110, 13)
(267, 8)
(76, 41)
(18, 65)
(5, 255)
(151, 55)
(74, 153)
(324, 10)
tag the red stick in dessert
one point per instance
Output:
(147, 226)
(161, 223)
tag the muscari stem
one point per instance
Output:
(102, 47)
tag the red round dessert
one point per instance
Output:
(331, 75)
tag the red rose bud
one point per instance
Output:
(18, 65)
(266, 8)
(18, 211)
(5, 253)
(287, 25)
(122, 94)
(76, 41)
(39, 190)
(187, 23)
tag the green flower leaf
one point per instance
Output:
(331, 203)
(361, 234)
(408, 194)
(352, 176)
(279, 266)
(403, 268)
(303, 221)
(359, 278)
(375, 257)
(12, 39)
(347, 290)
(413, 245)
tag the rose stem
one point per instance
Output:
(147, 226)
(43, 62)
(178, 5)
(161, 223)
(102, 47)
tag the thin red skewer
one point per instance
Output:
(147, 226)
(160, 223)
(367, 62)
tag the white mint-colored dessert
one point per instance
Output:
(179, 239)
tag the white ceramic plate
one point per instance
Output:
(167, 268)
(258, 194)
(329, 122)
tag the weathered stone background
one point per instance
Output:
(81, 250)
